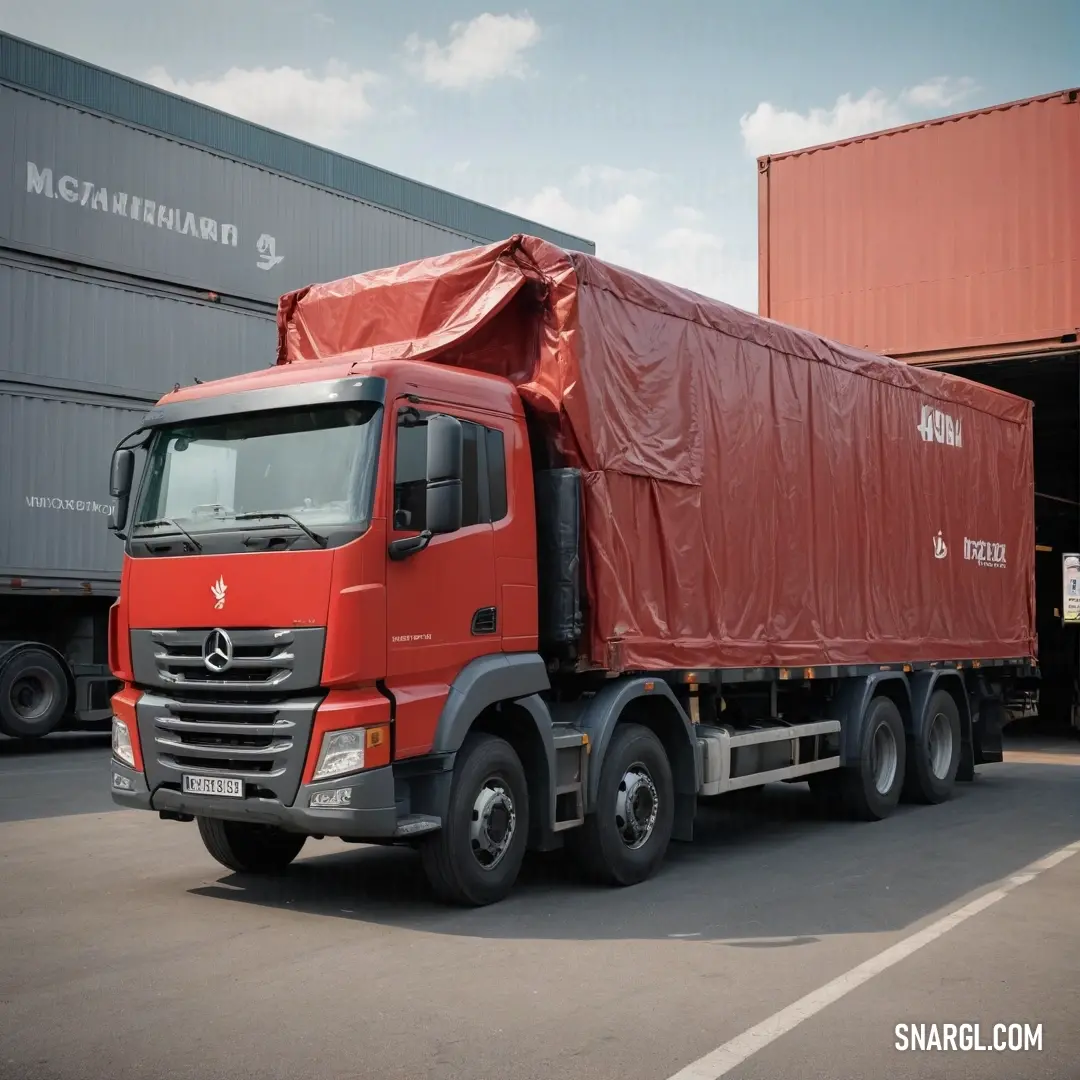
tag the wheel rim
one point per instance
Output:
(32, 694)
(494, 822)
(940, 745)
(636, 806)
(884, 757)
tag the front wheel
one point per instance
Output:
(625, 840)
(250, 848)
(475, 857)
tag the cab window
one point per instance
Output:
(483, 495)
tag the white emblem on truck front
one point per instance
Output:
(940, 550)
(219, 589)
(939, 427)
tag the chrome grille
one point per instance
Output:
(219, 737)
(260, 658)
(262, 743)
(229, 660)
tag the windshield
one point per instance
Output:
(314, 465)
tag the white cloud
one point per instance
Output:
(770, 130)
(319, 108)
(486, 48)
(613, 220)
(939, 93)
(641, 230)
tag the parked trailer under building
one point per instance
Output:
(955, 244)
(144, 242)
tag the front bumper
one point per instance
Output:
(372, 812)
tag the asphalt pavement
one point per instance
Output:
(54, 777)
(779, 944)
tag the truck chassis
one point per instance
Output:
(611, 767)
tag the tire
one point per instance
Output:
(601, 847)
(934, 754)
(474, 859)
(867, 792)
(33, 694)
(250, 848)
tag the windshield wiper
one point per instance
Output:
(318, 538)
(178, 527)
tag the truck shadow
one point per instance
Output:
(776, 872)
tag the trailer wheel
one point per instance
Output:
(33, 694)
(624, 841)
(934, 754)
(475, 857)
(247, 847)
(871, 789)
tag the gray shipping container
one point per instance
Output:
(55, 489)
(82, 360)
(99, 191)
(120, 338)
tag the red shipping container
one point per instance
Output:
(755, 496)
(956, 238)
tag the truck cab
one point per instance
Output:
(311, 559)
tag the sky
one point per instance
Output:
(635, 125)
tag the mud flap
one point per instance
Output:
(986, 733)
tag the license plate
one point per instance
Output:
(214, 785)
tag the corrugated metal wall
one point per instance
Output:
(64, 78)
(960, 235)
(54, 487)
(120, 340)
(82, 187)
(81, 361)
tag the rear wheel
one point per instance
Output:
(250, 848)
(870, 790)
(475, 857)
(625, 840)
(33, 694)
(934, 753)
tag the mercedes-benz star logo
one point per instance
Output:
(217, 652)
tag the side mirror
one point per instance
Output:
(444, 471)
(443, 511)
(120, 477)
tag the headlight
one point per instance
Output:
(342, 752)
(121, 742)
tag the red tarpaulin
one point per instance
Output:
(754, 495)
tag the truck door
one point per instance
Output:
(442, 602)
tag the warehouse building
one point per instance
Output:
(956, 244)
(144, 241)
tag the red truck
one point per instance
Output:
(513, 549)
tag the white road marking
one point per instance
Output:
(735, 1051)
